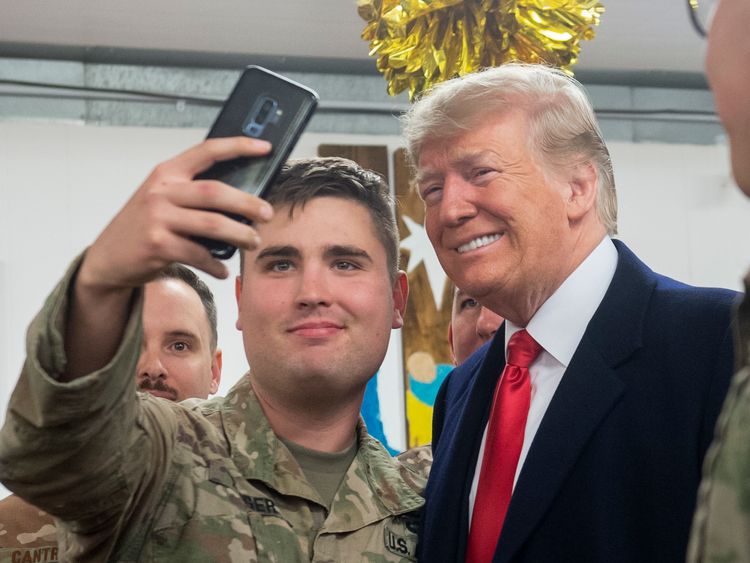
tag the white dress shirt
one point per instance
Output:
(558, 327)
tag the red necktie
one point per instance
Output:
(502, 448)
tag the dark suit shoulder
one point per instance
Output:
(646, 309)
(679, 292)
(635, 275)
(701, 314)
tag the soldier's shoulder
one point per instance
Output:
(414, 465)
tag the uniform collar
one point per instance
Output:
(254, 447)
(373, 487)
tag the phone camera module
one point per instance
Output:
(264, 111)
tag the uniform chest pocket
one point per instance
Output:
(276, 541)
(275, 538)
(203, 518)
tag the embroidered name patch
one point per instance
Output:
(262, 505)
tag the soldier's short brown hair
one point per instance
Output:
(302, 180)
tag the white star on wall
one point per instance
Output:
(421, 251)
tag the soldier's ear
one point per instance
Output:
(216, 362)
(237, 295)
(400, 296)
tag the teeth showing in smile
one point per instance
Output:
(478, 243)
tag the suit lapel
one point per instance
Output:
(588, 391)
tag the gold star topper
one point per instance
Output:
(419, 43)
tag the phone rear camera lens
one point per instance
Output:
(265, 109)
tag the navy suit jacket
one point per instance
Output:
(613, 470)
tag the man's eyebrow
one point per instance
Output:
(472, 158)
(281, 251)
(346, 251)
(462, 160)
(422, 178)
(181, 334)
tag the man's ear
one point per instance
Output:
(400, 297)
(215, 371)
(582, 196)
(237, 294)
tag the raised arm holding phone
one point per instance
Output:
(155, 228)
(281, 469)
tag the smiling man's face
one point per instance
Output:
(499, 225)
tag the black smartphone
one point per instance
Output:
(264, 105)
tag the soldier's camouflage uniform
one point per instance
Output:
(137, 478)
(27, 534)
(721, 527)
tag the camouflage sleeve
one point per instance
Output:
(721, 527)
(80, 450)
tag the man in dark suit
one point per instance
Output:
(588, 447)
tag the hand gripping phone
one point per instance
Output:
(263, 105)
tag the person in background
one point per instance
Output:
(580, 434)
(279, 469)
(471, 326)
(721, 526)
(179, 360)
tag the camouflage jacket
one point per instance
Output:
(721, 527)
(135, 478)
(27, 534)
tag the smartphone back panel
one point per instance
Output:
(266, 106)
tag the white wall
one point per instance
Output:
(60, 183)
(682, 213)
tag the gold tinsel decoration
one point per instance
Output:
(419, 43)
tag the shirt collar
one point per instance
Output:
(560, 322)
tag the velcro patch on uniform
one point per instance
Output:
(398, 544)
(411, 521)
(218, 473)
(262, 505)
